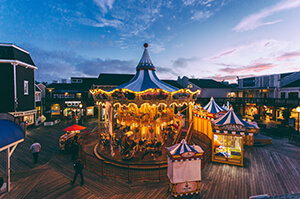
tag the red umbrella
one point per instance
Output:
(74, 127)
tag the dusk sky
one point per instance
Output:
(218, 39)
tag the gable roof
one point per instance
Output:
(113, 79)
(173, 83)
(73, 87)
(293, 84)
(12, 52)
(208, 83)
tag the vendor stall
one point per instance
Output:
(229, 137)
(184, 168)
(65, 141)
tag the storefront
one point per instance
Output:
(27, 116)
(230, 135)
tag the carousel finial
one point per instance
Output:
(145, 45)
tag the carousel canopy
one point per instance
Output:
(231, 118)
(145, 77)
(181, 148)
(212, 106)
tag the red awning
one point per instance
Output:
(74, 127)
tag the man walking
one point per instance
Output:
(78, 166)
(35, 148)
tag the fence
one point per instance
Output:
(133, 172)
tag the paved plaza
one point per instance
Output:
(272, 169)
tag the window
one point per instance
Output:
(37, 96)
(282, 95)
(78, 95)
(293, 95)
(26, 90)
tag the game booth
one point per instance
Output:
(65, 141)
(202, 117)
(229, 137)
(184, 168)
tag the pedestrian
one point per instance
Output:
(35, 148)
(78, 166)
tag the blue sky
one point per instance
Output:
(218, 39)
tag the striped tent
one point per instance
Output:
(145, 77)
(213, 107)
(231, 118)
(181, 148)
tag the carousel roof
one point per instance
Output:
(145, 77)
(212, 106)
(181, 148)
(231, 118)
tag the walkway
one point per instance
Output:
(272, 169)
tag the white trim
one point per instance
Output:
(12, 144)
(17, 47)
(22, 113)
(16, 62)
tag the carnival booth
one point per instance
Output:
(229, 138)
(66, 139)
(184, 168)
(203, 116)
(146, 106)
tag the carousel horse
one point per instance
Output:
(128, 147)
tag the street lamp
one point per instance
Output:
(298, 111)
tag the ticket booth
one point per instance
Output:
(184, 168)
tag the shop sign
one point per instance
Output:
(72, 103)
(186, 187)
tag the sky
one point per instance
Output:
(216, 39)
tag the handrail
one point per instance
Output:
(189, 133)
(178, 134)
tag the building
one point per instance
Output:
(17, 77)
(271, 97)
(69, 100)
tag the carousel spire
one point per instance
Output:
(145, 62)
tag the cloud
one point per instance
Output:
(183, 62)
(105, 4)
(157, 48)
(56, 65)
(256, 67)
(287, 56)
(101, 22)
(201, 15)
(223, 54)
(257, 20)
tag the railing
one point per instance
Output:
(205, 143)
(125, 172)
(189, 133)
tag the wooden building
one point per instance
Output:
(17, 76)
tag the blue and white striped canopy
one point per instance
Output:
(231, 118)
(212, 106)
(145, 77)
(180, 148)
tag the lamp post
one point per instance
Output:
(298, 111)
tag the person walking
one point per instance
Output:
(78, 166)
(35, 149)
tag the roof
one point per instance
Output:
(145, 77)
(10, 132)
(208, 83)
(12, 52)
(180, 148)
(113, 79)
(173, 83)
(293, 84)
(231, 118)
(145, 62)
(212, 106)
(73, 87)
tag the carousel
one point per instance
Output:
(142, 116)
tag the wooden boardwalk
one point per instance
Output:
(273, 170)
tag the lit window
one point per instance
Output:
(26, 90)
(78, 95)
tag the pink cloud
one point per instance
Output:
(224, 54)
(289, 55)
(256, 67)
